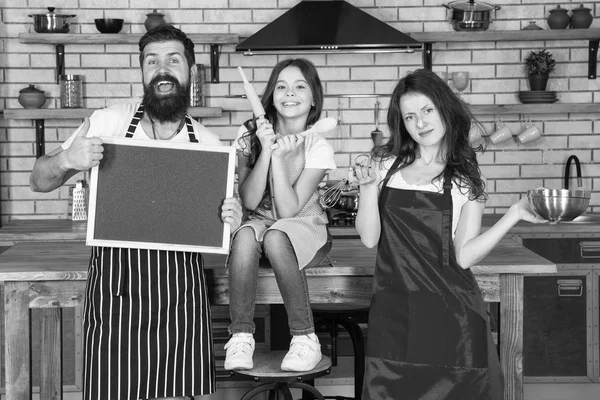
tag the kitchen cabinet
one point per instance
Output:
(561, 318)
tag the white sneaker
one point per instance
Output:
(304, 354)
(240, 349)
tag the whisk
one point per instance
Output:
(331, 196)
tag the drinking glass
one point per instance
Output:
(460, 81)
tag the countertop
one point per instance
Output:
(67, 230)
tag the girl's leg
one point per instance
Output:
(243, 275)
(291, 281)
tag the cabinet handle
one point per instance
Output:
(589, 249)
(570, 287)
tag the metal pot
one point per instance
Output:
(349, 200)
(470, 15)
(51, 22)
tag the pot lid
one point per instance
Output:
(155, 13)
(581, 8)
(559, 8)
(31, 89)
(51, 13)
(471, 6)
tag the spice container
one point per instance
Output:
(71, 91)
(197, 87)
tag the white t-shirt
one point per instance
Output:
(319, 154)
(459, 196)
(114, 122)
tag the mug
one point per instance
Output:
(530, 133)
(502, 134)
(475, 134)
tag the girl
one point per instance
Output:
(278, 186)
(422, 204)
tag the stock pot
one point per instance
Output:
(51, 22)
(470, 15)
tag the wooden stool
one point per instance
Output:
(267, 369)
(348, 317)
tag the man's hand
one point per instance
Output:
(84, 153)
(231, 212)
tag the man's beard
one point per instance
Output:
(171, 108)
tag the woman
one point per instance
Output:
(422, 204)
(279, 170)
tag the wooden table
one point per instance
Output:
(52, 275)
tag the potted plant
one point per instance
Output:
(539, 65)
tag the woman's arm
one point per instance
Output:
(368, 223)
(470, 245)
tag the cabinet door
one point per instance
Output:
(557, 325)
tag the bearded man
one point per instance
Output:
(147, 328)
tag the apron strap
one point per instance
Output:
(190, 129)
(135, 121)
(447, 218)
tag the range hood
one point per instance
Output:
(327, 26)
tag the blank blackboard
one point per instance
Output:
(148, 194)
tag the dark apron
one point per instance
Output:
(428, 337)
(146, 321)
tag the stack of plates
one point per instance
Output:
(537, 96)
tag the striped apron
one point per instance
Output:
(146, 323)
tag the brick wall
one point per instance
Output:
(112, 75)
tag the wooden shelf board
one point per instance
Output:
(119, 38)
(80, 113)
(498, 36)
(551, 108)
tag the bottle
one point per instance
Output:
(558, 18)
(154, 19)
(581, 17)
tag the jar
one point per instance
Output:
(31, 97)
(581, 17)
(558, 18)
(197, 87)
(71, 91)
(154, 19)
(532, 27)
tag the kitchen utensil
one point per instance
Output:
(77, 202)
(377, 135)
(109, 25)
(339, 142)
(581, 17)
(31, 97)
(537, 96)
(470, 15)
(532, 27)
(530, 133)
(558, 18)
(558, 204)
(501, 134)
(252, 97)
(330, 197)
(51, 22)
(154, 19)
(197, 80)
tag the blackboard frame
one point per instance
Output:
(150, 194)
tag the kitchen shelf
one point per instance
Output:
(60, 39)
(592, 35)
(41, 114)
(541, 108)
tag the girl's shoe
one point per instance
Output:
(304, 354)
(240, 349)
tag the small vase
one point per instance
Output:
(581, 17)
(31, 97)
(537, 82)
(154, 19)
(558, 18)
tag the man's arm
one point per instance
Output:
(54, 169)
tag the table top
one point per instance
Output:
(27, 261)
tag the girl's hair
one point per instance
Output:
(249, 143)
(459, 155)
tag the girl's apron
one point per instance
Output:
(146, 322)
(428, 333)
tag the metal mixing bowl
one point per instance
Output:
(558, 204)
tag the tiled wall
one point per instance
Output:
(112, 75)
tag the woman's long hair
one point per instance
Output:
(459, 155)
(249, 142)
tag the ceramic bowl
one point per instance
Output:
(109, 25)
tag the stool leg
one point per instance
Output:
(358, 343)
(259, 389)
(308, 388)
